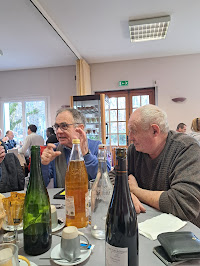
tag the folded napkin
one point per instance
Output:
(162, 223)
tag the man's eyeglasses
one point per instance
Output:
(63, 126)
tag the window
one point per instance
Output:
(118, 121)
(122, 104)
(18, 115)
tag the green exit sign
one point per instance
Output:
(123, 83)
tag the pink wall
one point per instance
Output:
(175, 76)
(58, 83)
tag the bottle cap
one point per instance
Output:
(121, 152)
(102, 146)
(76, 141)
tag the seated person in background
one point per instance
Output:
(31, 139)
(2, 141)
(163, 167)
(181, 128)
(70, 124)
(2, 154)
(10, 143)
(12, 176)
(195, 127)
(51, 136)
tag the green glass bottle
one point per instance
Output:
(37, 212)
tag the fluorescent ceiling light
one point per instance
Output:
(1, 53)
(148, 29)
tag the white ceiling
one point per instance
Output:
(97, 30)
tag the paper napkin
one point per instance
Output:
(162, 223)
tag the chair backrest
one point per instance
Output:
(14, 150)
(12, 176)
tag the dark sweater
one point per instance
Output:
(176, 171)
(52, 139)
(12, 176)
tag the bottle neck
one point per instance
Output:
(121, 179)
(102, 165)
(36, 173)
(76, 153)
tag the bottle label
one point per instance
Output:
(87, 204)
(116, 256)
(69, 204)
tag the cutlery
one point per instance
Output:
(71, 261)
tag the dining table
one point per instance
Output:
(97, 256)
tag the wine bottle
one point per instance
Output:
(37, 212)
(100, 195)
(121, 222)
(76, 189)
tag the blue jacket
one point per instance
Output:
(91, 163)
(11, 144)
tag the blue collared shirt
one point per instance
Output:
(11, 144)
(91, 163)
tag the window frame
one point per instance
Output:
(23, 100)
(128, 93)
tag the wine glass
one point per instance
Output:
(13, 206)
(17, 207)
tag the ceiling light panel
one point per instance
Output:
(149, 29)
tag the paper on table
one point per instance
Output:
(162, 223)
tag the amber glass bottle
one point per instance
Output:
(76, 189)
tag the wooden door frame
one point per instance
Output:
(128, 93)
(148, 91)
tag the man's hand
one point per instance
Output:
(5, 139)
(49, 154)
(2, 153)
(146, 196)
(132, 183)
(138, 205)
(83, 140)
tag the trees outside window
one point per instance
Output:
(18, 115)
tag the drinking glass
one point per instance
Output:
(9, 255)
(26, 183)
(90, 184)
(13, 206)
(17, 217)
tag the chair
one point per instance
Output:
(12, 176)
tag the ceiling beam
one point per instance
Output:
(48, 18)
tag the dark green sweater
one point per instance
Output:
(176, 171)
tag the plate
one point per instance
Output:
(23, 263)
(11, 228)
(55, 253)
(58, 227)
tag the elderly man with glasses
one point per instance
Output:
(69, 124)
